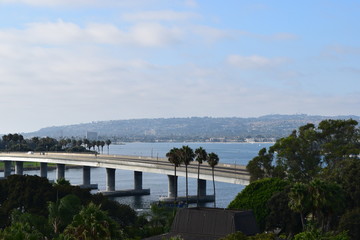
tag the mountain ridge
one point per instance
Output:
(189, 129)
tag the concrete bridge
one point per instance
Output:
(229, 173)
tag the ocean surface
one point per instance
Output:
(234, 153)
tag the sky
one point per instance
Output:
(77, 61)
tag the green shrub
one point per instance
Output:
(350, 222)
(256, 196)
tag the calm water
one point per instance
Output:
(235, 153)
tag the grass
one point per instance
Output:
(27, 165)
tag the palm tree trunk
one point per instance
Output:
(213, 176)
(198, 190)
(302, 221)
(175, 185)
(187, 190)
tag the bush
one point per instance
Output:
(316, 234)
(256, 196)
(350, 222)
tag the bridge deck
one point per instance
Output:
(229, 173)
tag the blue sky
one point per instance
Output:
(74, 61)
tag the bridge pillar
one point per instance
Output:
(86, 175)
(138, 180)
(19, 168)
(201, 184)
(43, 169)
(172, 186)
(110, 179)
(60, 171)
(7, 168)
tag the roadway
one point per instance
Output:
(229, 173)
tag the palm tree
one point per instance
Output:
(298, 200)
(93, 144)
(213, 160)
(108, 142)
(102, 144)
(92, 223)
(200, 157)
(174, 157)
(187, 155)
(87, 143)
(62, 211)
(98, 144)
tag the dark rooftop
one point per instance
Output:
(210, 224)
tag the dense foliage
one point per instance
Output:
(322, 167)
(16, 142)
(255, 197)
(61, 211)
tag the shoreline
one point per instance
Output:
(124, 143)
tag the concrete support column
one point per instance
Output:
(86, 175)
(43, 169)
(110, 179)
(138, 180)
(201, 184)
(172, 187)
(19, 168)
(7, 168)
(60, 171)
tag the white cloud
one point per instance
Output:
(165, 15)
(82, 3)
(60, 33)
(254, 61)
(153, 34)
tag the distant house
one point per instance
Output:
(210, 224)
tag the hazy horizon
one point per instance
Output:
(130, 119)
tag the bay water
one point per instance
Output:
(233, 153)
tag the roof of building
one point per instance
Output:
(210, 224)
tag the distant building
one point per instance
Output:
(92, 136)
(210, 224)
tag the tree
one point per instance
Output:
(260, 166)
(350, 222)
(309, 152)
(299, 201)
(19, 193)
(327, 201)
(200, 157)
(174, 157)
(281, 216)
(108, 142)
(187, 156)
(87, 143)
(93, 223)
(299, 154)
(20, 231)
(324, 200)
(213, 160)
(62, 211)
(93, 144)
(256, 195)
(102, 144)
(347, 174)
(340, 139)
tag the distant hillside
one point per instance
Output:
(188, 129)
